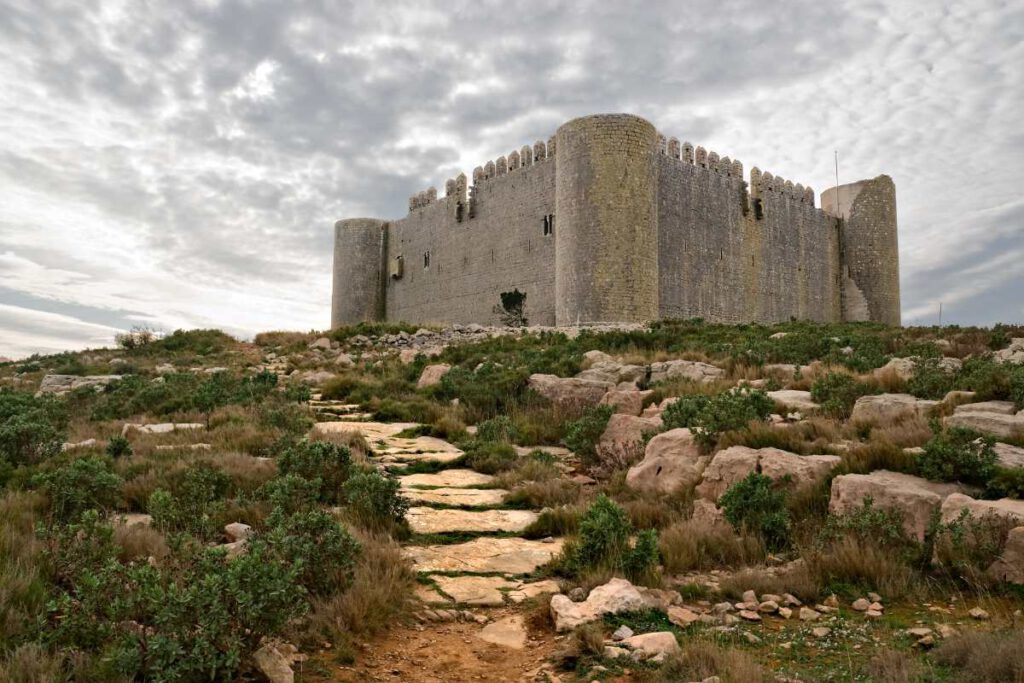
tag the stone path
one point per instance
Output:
(391, 449)
(425, 520)
(485, 555)
(456, 496)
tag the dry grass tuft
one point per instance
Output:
(542, 494)
(139, 542)
(892, 666)
(995, 657)
(690, 545)
(702, 659)
(858, 562)
(32, 663)
(588, 640)
(22, 579)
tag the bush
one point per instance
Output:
(84, 484)
(485, 391)
(603, 544)
(930, 379)
(31, 429)
(197, 616)
(836, 393)
(710, 416)
(754, 505)
(119, 446)
(374, 501)
(500, 428)
(321, 552)
(958, 454)
(582, 435)
(195, 505)
(1007, 482)
(291, 493)
(318, 460)
(490, 457)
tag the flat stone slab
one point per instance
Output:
(484, 591)
(509, 632)
(424, 520)
(456, 496)
(556, 451)
(794, 399)
(160, 428)
(446, 478)
(524, 591)
(429, 595)
(384, 441)
(499, 555)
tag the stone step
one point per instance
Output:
(446, 478)
(483, 591)
(456, 496)
(485, 555)
(426, 520)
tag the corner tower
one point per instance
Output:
(869, 250)
(606, 240)
(358, 288)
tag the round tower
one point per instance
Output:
(869, 249)
(606, 235)
(358, 290)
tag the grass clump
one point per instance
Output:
(695, 545)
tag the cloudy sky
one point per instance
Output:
(180, 163)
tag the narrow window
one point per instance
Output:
(549, 224)
(426, 259)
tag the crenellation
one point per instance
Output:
(647, 227)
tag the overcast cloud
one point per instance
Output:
(180, 163)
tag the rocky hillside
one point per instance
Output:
(678, 502)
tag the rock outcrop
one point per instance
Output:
(733, 464)
(915, 498)
(569, 392)
(618, 595)
(889, 407)
(672, 460)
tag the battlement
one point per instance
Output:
(623, 223)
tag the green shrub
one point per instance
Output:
(196, 504)
(320, 550)
(881, 526)
(603, 544)
(500, 428)
(710, 416)
(84, 484)
(196, 616)
(836, 393)
(485, 391)
(31, 429)
(930, 379)
(374, 501)
(291, 493)
(491, 457)
(1007, 482)
(582, 435)
(958, 454)
(323, 460)
(755, 505)
(119, 446)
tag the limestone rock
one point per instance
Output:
(317, 378)
(525, 591)
(455, 496)
(622, 440)
(685, 369)
(808, 614)
(160, 428)
(1009, 456)
(87, 443)
(273, 664)
(427, 520)
(622, 632)
(453, 477)
(794, 400)
(1009, 566)
(998, 407)
(656, 645)
(1004, 508)
(915, 497)
(322, 344)
(484, 591)
(672, 460)
(343, 360)
(236, 531)
(733, 464)
(62, 384)
(508, 632)
(993, 417)
(618, 595)
(485, 554)
(1014, 353)
(570, 392)
(432, 374)
(591, 358)
(706, 512)
(682, 616)
(627, 401)
(888, 407)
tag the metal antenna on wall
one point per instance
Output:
(940, 314)
(838, 203)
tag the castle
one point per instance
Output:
(612, 222)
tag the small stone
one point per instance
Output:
(771, 597)
(751, 638)
(785, 612)
(946, 631)
(750, 615)
(791, 600)
(978, 613)
(919, 632)
(927, 641)
(874, 597)
(876, 606)
(820, 631)
(768, 607)
(722, 607)
(873, 614)
(622, 632)
(577, 594)
(749, 597)
(808, 614)
(681, 616)
(861, 605)
(832, 601)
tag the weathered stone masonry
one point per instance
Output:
(611, 222)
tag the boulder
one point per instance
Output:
(614, 372)
(618, 595)
(432, 374)
(626, 401)
(317, 378)
(998, 407)
(237, 531)
(1005, 508)
(592, 358)
(905, 368)
(1009, 456)
(323, 343)
(733, 464)
(273, 664)
(1009, 566)
(622, 440)
(569, 392)
(915, 497)
(671, 461)
(888, 407)
(343, 360)
(62, 384)
(794, 400)
(509, 632)
(160, 427)
(685, 369)
(1014, 353)
(657, 645)
(655, 410)
(707, 513)
(1000, 424)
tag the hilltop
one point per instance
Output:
(665, 502)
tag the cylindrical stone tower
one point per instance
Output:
(869, 248)
(606, 217)
(358, 292)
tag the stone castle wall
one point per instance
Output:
(623, 225)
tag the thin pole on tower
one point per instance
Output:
(940, 314)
